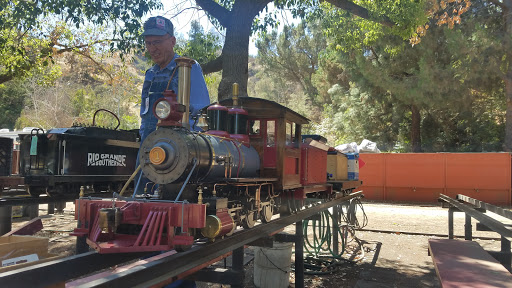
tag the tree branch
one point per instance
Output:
(95, 62)
(359, 11)
(215, 10)
(67, 48)
(256, 6)
(212, 66)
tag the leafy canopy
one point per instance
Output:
(33, 31)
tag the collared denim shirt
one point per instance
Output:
(155, 83)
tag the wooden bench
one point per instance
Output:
(461, 263)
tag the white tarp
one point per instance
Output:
(366, 146)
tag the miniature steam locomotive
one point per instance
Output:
(250, 164)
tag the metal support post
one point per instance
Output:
(31, 211)
(81, 245)
(51, 208)
(299, 255)
(450, 222)
(335, 220)
(505, 248)
(238, 265)
(60, 207)
(5, 219)
(468, 229)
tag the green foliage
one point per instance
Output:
(33, 32)
(80, 91)
(359, 33)
(201, 46)
(370, 76)
(354, 116)
(19, 53)
(212, 84)
(287, 93)
(453, 76)
(294, 56)
(12, 96)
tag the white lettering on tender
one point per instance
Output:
(97, 159)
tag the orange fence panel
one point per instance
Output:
(414, 170)
(374, 176)
(423, 176)
(478, 170)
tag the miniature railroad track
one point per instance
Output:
(155, 272)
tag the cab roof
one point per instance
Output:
(260, 108)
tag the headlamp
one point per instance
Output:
(162, 109)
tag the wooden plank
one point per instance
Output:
(30, 228)
(461, 263)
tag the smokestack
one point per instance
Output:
(185, 67)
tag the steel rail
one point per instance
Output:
(479, 204)
(490, 222)
(60, 270)
(160, 271)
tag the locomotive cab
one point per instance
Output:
(275, 133)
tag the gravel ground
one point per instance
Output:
(393, 253)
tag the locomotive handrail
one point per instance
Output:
(186, 181)
(36, 131)
(94, 117)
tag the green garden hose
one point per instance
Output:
(320, 257)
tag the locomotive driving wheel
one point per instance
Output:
(249, 220)
(267, 212)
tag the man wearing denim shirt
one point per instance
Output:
(159, 39)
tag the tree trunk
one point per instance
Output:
(507, 15)
(415, 129)
(235, 53)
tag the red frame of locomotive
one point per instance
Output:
(158, 221)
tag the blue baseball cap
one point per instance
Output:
(158, 26)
